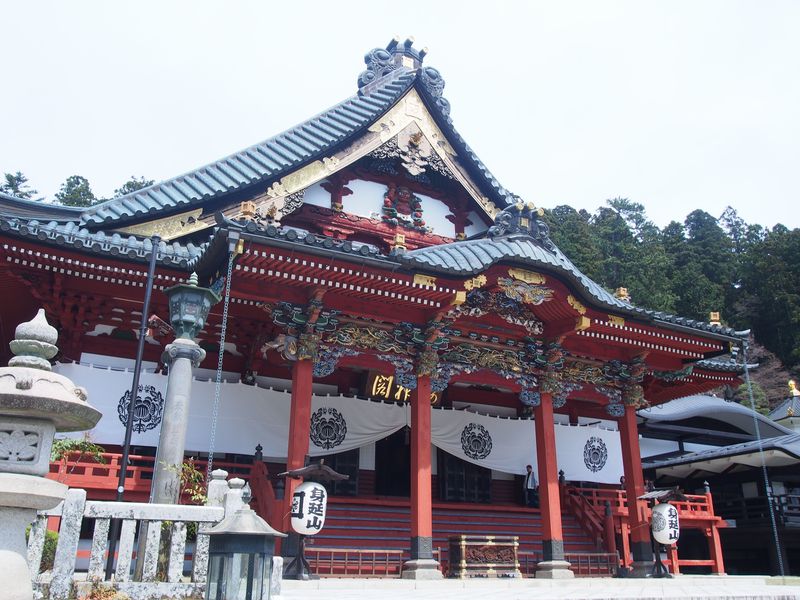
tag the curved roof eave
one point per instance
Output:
(471, 257)
(262, 162)
(787, 444)
(712, 407)
(12, 206)
(294, 148)
(71, 235)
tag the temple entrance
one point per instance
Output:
(393, 465)
(460, 481)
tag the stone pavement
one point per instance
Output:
(680, 588)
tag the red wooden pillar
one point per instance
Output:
(714, 544)
(641, 548)
(553, 566)
(672, 559)
(422, 565)
(299, 431)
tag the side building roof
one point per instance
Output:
(788, 408)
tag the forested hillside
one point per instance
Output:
(748, 273)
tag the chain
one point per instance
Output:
(765, 474)
(218, 381)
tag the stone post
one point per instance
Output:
(181, 356)
(34, 404)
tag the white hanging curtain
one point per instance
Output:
(250, 415)
(341, 423)
(497, 443)
(589, 453)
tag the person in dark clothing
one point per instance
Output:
(531, 489)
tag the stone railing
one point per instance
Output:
(137, 572)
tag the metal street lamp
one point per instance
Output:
(240, 554)
(189, 306)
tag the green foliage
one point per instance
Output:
(16, 184)
(132, 185)
(193, 482)
(64, 447)
(747, 272)
(76, 191)
(742, 396)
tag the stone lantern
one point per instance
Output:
(240, 557)
(34, 404)
(189, 306)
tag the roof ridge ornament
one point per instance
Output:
(402, 55)
(397, 55)
(522, 219)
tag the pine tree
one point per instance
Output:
(16, 184)
(76, 191)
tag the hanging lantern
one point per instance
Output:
(665, 525)
(309, 505)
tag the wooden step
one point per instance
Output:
(376, 526)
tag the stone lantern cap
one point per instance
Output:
(244, 521)
(30, 390)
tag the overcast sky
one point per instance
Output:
(677, 105)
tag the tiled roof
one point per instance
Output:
(73, 236)
(712, 407)
(262, 162)
(385, 81)
(788, 444)
(788, 408)
(11, 206)
(470, 257)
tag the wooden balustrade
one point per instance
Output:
(587, 515)
(79, 470)
(350, 562)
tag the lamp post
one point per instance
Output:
(240, 554)
(189, 306)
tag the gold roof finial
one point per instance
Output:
(793, 391)
(713, 318)
(621, 293)
(248, 209)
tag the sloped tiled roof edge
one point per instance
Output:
(473, 163)
(12, 206)
(261, 162)
(71, 235)
(470, 257)
(782, 410)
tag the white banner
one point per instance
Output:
(247, 416)
(498, 443)
(589, 453)
(342, 423)
(251, 415)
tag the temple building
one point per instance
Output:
(385, 303)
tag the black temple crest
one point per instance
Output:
(522, 219)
